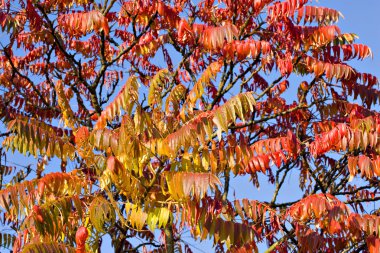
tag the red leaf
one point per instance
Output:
(373, 244)
(80, 239)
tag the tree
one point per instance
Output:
(151, 107)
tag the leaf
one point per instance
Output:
(80, 23)
(8, 22)
(6, 171)
(213, 38)
(122, 178)
(339, 71)
(246, 248)
(156, 86)
(319, 206)
(125, 100)
(229, 232)
(36, 137)
(61, 4)
(52, 217)
(47, 247)
(158, 217)
(238, 106)
(356, 50)
(259, 213)
(274, 145)
(136, 215)
(258, 163)
(63, 103)
(147, 46)
(247, 48)
(199, 87)
(373, 244)
(15, 198)
(80, 239)
(315, 13)
(284, 9)
(365, 91)
(102, 214)
(169, 15)
(7, 240)
(172, 103)
(183, 185)
(342, 137)
(320, 36)
(367, 223)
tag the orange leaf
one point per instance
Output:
(80, 239)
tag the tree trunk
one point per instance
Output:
(169, 238)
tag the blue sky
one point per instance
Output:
(363, 18)
(360, 17)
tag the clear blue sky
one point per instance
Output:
(361, 17)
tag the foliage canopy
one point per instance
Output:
(151, 107)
